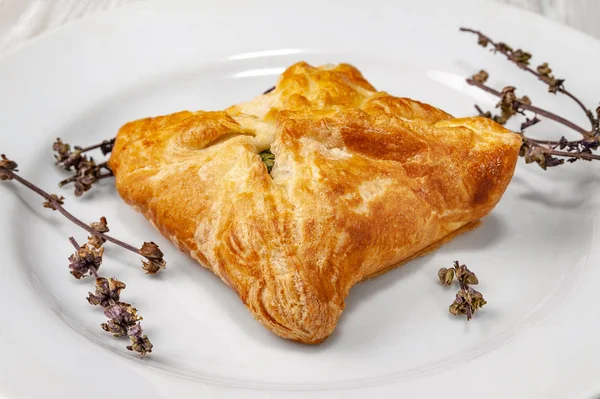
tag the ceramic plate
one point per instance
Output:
(536, 254)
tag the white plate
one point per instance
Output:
(536, 254)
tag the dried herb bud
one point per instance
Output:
(503, 47)
(555, 85)
(83, 184)
(464, 275)
(525, 100)
(553, 161)
(459, 305)
(86, 261)
(152, 267)
(107, 292)
(154, 256)
(121, 317)
(52, 204)
(475, 299)
(508, 105)
(101, 227)
(508, 95)
(544, 70)
(107, 146)
(481, 77)
(524, 148)
(483, 41)
(537, 155)
(73, 160)
(467, 302)
(86, 166)
(6, 164)
(151, 251)
(563, 142)
(446, 276)
(500, 119)
(521, 57)
(530, 122)
(139, 341)
(63, 151)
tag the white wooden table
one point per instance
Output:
(21, 20)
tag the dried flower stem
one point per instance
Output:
(105, 145)
(546, 153)
(532, 108)
(508, 52)
(87, 259)
(467, 299)
(66, 214)
(123, 318)
(468, 307)
(87, 171)
(76, 177)
(579, 155)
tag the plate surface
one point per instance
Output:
(536, 254)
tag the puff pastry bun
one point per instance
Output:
(362, 182)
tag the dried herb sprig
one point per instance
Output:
(543, 72)
(546, 153)
(87, 171)
(63, 151)
(149, 250)
(123, 318)
(467, 299)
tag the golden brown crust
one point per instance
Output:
(362, 181)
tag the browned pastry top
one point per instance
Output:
(362, 181)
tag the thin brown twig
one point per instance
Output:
(468, 308)
(532, 108)
(544, 142)
(479, 110)
(99, 145)
(580, 155)
(66, 214)
(75, 177)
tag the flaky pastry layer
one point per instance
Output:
(362, 181)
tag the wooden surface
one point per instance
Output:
(24, 19)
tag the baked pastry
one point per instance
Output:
(362, 182)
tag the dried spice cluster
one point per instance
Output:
(467, 299)
(87, 171)
(122, 317)
(546, 153)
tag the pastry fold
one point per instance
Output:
(362, 182)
